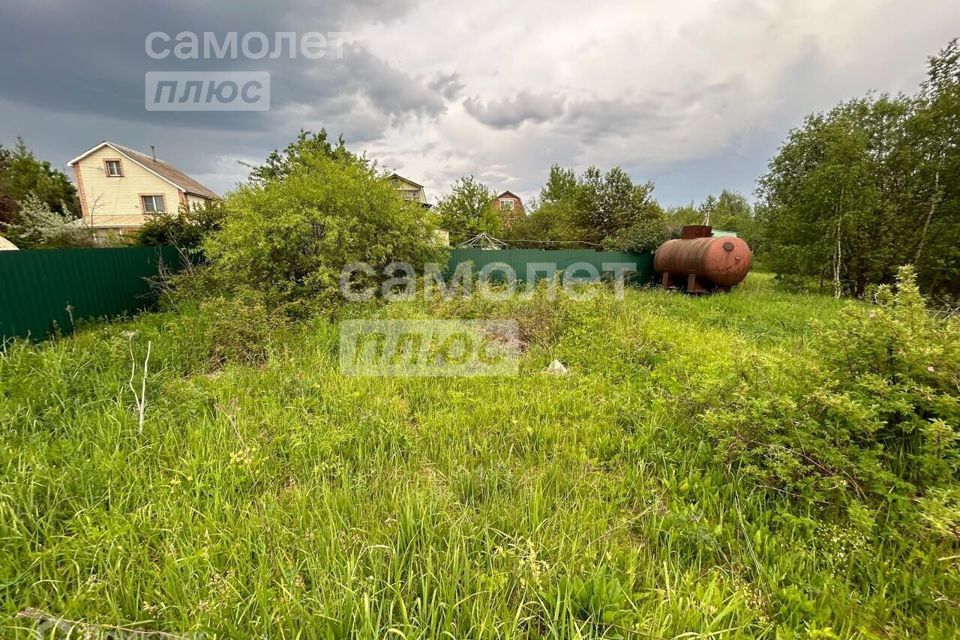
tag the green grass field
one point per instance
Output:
(288, 501)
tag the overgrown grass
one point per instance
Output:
(283, 500)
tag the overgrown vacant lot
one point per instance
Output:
(753, 464)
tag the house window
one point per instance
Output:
(506, 205)
(153, 204)
(113, 168)
(410, 195)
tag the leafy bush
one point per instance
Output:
(38, 225)
(240, 330)
(289, 237)
(643, 235)
(876, 422)
(468, 210)
(235, 330)
(185, 230)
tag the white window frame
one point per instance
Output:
(108, 163)
(152, 198)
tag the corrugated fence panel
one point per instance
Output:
(640, 267)
(37, 286)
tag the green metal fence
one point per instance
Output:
(41, 290)
(530, 264)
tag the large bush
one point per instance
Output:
(643, 235)
(38, 225)
(185, 230)
(290, 234)
(876, 419)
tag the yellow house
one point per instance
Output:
(409, 189)
(120, 188)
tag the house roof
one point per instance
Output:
(508, 194)
(160, 168)
(397, 176)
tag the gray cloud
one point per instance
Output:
(84, 64)
(392, 91)
(510, 113)
(695, 99)
(448, 85)
(56, 57)
(598, 119)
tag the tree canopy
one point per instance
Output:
(468, 210)
(870, 185)
(593, 209)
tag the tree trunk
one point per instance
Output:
(837, 253)
(934, 201)
(837, 288)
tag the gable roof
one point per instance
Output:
(508, 194)
(397, 176)
(167, 172)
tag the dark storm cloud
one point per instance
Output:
(90, 57)
(510, 113)
(78, 68)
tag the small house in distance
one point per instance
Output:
(510, 208)
(508, 201)
(413, 192)
(120, 189)
(409, 189)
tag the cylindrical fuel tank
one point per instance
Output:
(723, 261)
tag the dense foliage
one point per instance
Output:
(36, 225)
(870, 185)
(291, 230)
(753, 465)
(875, 425)
(730, 211)
(468, 210)
(594, 209)
(36, 200)
(185, 230)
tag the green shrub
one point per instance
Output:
(223, 330)
(877, 421)
(185, 230)
(290, 237)
(644, 235)
(240, 330)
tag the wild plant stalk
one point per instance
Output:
(141, 398)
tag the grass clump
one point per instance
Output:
(758, 464)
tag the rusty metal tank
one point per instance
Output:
(699, 263)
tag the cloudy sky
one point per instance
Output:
(694, 95)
